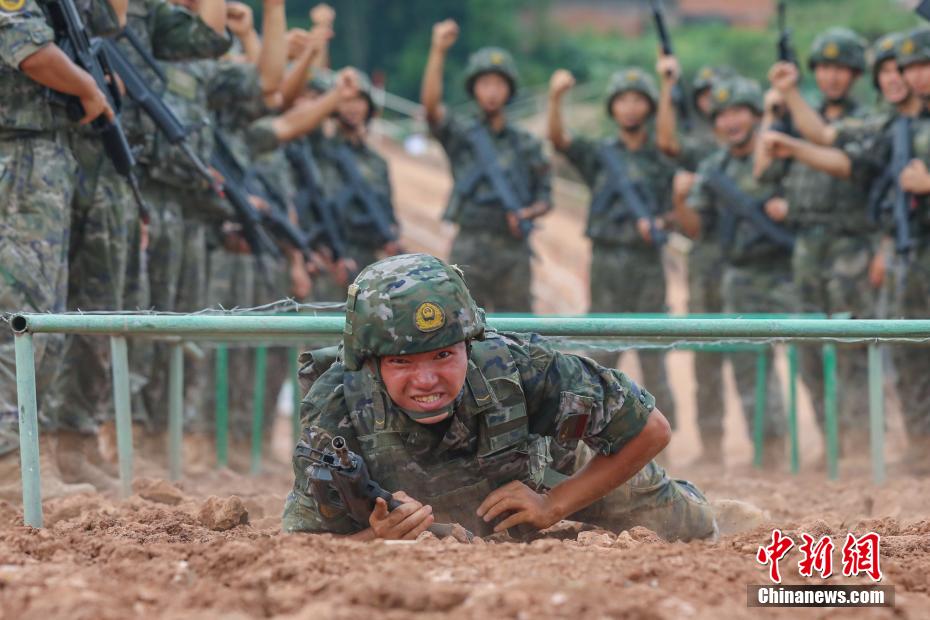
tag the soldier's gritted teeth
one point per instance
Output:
(630, 110)
(423, 383)
(917, 76)
(492, 92)
(353, 113)
(736, 124)
(891, 82)
(834, 80)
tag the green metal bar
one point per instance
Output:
(297, 397)
(829, 405)
(793, 408)
(258, 407)
(175, 412)
(222, 406)
(299, 326)
(758, 420)
(121, 402)
(28, 430)
(876, 414)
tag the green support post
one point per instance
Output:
(175, 411)
(28, 430)
(297, 397)
(758, 420)
(793, 408)
(222, 405)
(829, 405)
(876, 414)
(120, 359)
(258, 407)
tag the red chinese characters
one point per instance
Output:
(861, 555)
(773, 553)
(817, 556)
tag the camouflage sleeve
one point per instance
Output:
(570, 397)
(540, 172)
(869, 151)
(261, 137)
(389, 191)
(23, 33)
(178, 34)
(100, 18)
(449, 132)
(236, 86)
(662, 184)
(700, 198)
(582, 155)
(323, 412)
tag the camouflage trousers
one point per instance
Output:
(623, 281)
(103, 218)
(37, 177)
(912, 362)
(762, 288)
(496, 268)
(705, 265)
(831, 276)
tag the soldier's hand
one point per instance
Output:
(668, 69)
(95, 103)
(392, 248)
(561, 82)
(776, 208)
(877, 270)
(405, 522)
(259, 203)
(915, 178)
(682, 183)
(523, 504)
(645, 230)
(445, 34)
(301, 285)
(777, 144)
(513, 223)
(143, 236)
(323, 15)
(774, 102)
(239, 18)
(783, 76)
(347, 84)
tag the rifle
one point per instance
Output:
(786, 53)
(72, 37)
(338, 479)
(355, 187)
(511, 196)
(619, 185)
(311, 202)
(747, 208)
(678, 95)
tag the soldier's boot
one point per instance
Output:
(75, 466)
(103, 453)
(917, 456)
(711, 451)
(52, 486)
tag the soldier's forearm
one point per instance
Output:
(213, 13)
(431, 89)
(121, 8)
(667, 123)
(827, 159)
(559, 138)
(51, 67)
(304, 117)
(296, 76)
(807, 120)
(273, 57)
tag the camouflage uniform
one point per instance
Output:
(757, 276)
(519, 396)
(497, 264)
(37, 184)
(835, 244)
(619, 253)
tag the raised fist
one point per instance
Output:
(347, 83)
(561, 82)
(239, 18)
(322, 15)
(783, 76)
(444, 34)
(668, 69)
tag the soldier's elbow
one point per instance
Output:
(660, 431)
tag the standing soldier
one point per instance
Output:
(836, 239)
(502, 180)
(626, 226)
(738, 211)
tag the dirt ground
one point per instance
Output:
(210, 546)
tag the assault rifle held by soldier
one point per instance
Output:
(745, 207)
(311, 202)
(632, 195)
(786, 53)
(665, 40)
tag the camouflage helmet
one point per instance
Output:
(631, 79)
(735, 91)
(883, 49)
(491, 60)
(364, 89)
(840, 46)
(407, 304)
(913, 48)
(708, 74)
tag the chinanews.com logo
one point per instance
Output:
(860, 557)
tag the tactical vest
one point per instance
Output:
(610, 219)
(920, 217)
(492, 444)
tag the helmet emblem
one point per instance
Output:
(722, 95)
(497, 58)
(429, 317)
(831, 50)
(907, 47)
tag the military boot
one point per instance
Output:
(75, 466)
(52, 486)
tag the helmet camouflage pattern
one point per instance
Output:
(883, 49)
(407, 304)
(364, 89)
(735, 91)
(839, 46)
(707, 75)
(491, 60)
(632, 79)
(913, 48)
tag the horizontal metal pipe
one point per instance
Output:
(301, 326)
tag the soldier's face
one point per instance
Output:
(492, 90)
(703, 101)
(426, 382)
(630, 109)
(735, 124)
(353, 112)
(891, 82)
(834, 81)
(917, 76)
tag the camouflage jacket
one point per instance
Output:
(697, 144)
(519, 153)
(519, 394)
(817, 198)
(740, 241)
(646, 167)
(24, 104)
